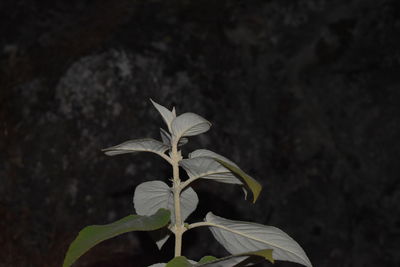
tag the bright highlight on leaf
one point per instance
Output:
(138, 145)
(239, 237)
(189, 124)
(153, 195)
(90, 236)
(167, 115)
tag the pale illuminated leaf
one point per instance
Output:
(208, 153)
(167, 115)
(153, 195)
(189, 124)
(166, 138)
(138, 145)
(246, 180)
(240, 237)
(208, 168)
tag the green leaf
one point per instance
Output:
(265, 253)
(206, 259)
(90, 236)
(180, 261)
(243, 259)
(249, 181)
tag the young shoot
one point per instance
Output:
(164, 207)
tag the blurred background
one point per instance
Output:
(303, 95)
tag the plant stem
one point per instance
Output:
(184, 184)
(199, 224)
(178, 227)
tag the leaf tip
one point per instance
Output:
(106, 151)
(153, 102)
(256, 193)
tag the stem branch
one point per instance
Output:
(166, 158)
(187, 182)
(199, 224)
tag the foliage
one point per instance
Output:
(165, 208)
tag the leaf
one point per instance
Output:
(160, 236)
(153, 195)
(138, 145)
(166, 138)
(248, 181)
(90, 236)
(183, 141)
(189, 124)
(239, 237)
(208, 168)
(180, 261)
(212, 167)
(168, 116)
(206, 259)
(243, 259)
(208, 153)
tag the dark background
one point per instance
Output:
(303, 95)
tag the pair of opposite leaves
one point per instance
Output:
(201, 163)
